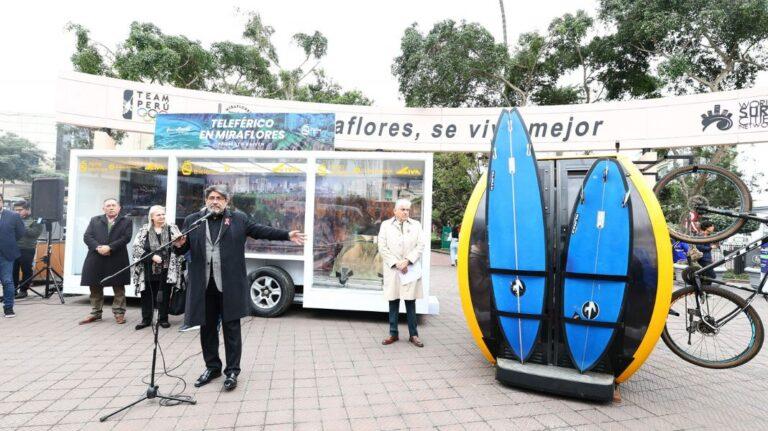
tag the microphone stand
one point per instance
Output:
(153, 391)
(146, 256)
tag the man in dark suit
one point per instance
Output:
(27, 246)
(217, 288)
(107, 237)
(11, 230)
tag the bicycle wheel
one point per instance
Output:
(688, 336)
(684, 190)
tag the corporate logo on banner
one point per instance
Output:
(753, 114)
(721, 119)
(144, 105)
(245, 131)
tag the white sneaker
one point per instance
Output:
(185, 328)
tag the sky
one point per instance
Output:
(363, 36)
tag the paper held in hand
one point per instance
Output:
(413, 274)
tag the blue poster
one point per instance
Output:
(245, 131)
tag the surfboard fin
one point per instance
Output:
(626, 199)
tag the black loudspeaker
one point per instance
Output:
(48, 199)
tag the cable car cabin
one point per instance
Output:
(338, 198)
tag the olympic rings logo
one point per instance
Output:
(149, 114)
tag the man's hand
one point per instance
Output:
(180, 241)
(157, 259)
(103, 250)
(402, 266)
(297, 237)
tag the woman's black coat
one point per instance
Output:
(96, 266)
(236, 227)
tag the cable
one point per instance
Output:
(161, 285)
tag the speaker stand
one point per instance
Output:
(51, 276)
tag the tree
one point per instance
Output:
(247, 69)
(70, 137)
(19, 159)
(700, 46)
(455, 64)
(150, 55)
(462, 65)
(574, 52)
(456, 174)
(533, 72)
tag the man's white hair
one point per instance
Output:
(402, 203)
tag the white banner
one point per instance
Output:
(732, 117)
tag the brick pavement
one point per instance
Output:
(313, 369)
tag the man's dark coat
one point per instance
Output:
(96, 266)
(236, 226)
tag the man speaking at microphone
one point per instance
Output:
(217, 287)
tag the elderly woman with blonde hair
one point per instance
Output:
(158, 273)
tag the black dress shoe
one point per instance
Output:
(206, 377)
(165, 324)
(22, 294)
(230, 382)
(142, 325)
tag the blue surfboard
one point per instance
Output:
(517, 241)
(597, 263)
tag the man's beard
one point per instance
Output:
(215, 211)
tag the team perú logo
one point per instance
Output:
(721, 119)
(144, 104)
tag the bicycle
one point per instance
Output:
(707, 325)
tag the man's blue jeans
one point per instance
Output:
(6, 278)
(410, 312)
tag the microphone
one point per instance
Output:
(205, 217)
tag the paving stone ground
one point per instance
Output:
(327, 370)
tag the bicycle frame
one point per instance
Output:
(730, 256)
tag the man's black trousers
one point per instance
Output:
(209, 334)
(25, 263)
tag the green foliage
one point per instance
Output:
(324, 90)
(700, 45)
(680, 196)
(87, 57)
(242, 70)
(455, 64)
(19, 158)
(149, 55)
(247, 69)
(455, 176)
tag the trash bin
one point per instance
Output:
(739, 263)
(445, 237)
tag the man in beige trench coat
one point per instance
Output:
(401, 243)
